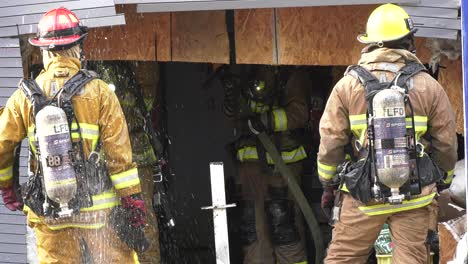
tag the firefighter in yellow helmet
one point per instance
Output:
(271, 227)
(397, 118)
(74, 123)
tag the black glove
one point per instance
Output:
(433, 240)
(328, 199)
(128, 222)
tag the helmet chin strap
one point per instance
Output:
(82, 56)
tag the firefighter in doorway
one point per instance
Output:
(271, 222)
(395, 115)
(73, 122)
(121, 76)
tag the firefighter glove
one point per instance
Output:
(9, 198)
(135, 206)
(129, 221)
(327, 201)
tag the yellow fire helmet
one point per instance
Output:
(387, 23)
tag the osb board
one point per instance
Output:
(447, 244)
(423, 53)
(134, 41)
(200, 37)
(450, 233)
(255, 36)
(321, 35)
(450, 77)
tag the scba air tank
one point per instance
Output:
(390, 142)
(55, 144)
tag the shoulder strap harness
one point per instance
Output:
(63, 99)
(372, 86)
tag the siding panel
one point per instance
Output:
(11, 72)
(34, 18)
(10, 62)
(42, 8)
(21, 17)
(9, 82)
(13, 239)
(14, 229)
(12, 248)
(13, 258)
(9, 42)
(6, 3)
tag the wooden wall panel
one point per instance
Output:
(134, 41)
(255, 36)
(321, 35)
(200, 37)
(450, 77)
(306, 36)
(422, 51)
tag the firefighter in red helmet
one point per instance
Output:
(72, 196)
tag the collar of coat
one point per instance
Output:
(371, 57)
(58, 63)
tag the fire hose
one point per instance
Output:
(296, 191)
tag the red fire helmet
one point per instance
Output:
(58, 29)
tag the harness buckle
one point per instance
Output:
(419, 149)
(95, 154)
(157, 177)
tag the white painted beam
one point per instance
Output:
(438, 3)
(150, 6)
(433, 22)
(437, 33)
(431, 11)
(219, 206)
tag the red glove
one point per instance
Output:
(136, 206)
(328, 199)
(9, 198)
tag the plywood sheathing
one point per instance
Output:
(134, 41)
(200, 37)
(450, 77)
(450, 233)
(321, 35)
(304, 36)
(255, 36)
